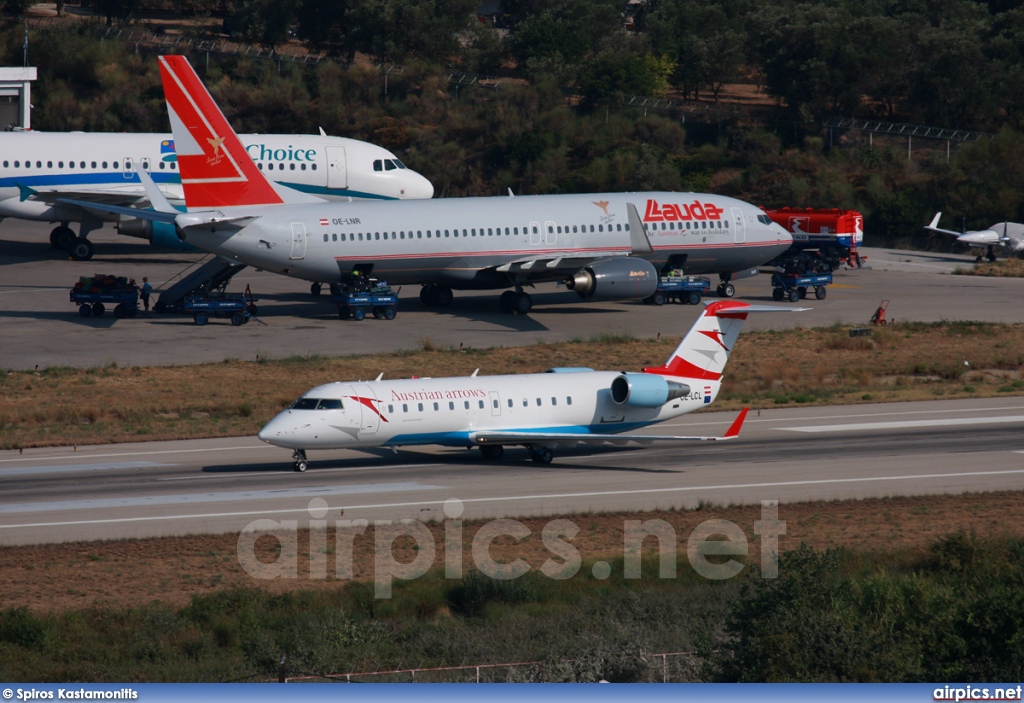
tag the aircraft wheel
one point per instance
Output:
(693, 298)
(200, 318)
(523, 303)
(85, 310)
(507, 302)
(492, 452)
(81, 250)
(62, 237)
(98, 309)
(427, 295)
(726, 290)
(358, 314)
(443, 296)
(315, 288)
(389, 313)
(301, 465)
(794, 295)
(820, 292)
(542, 455)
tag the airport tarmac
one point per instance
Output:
(41, 327)
(788, 454)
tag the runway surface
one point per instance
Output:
(792, 454)
(42, 327)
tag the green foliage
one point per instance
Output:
(471, 595)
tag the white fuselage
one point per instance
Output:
(469, 243)
(92, 164)
(447, 411)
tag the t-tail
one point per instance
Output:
(701, 357)
(215, 169)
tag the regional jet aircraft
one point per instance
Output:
(563, 406)
(39, 168)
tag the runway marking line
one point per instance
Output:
(588, 494)
(906, 424)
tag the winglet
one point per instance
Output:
(156, 198)
(737, 425)
(637, 236)
(24, 192)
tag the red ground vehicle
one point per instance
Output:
(820, 236)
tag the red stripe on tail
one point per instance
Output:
(219, 173)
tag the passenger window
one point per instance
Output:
(510, 402)
(467, 405)
(600, 228)
(525, 403)
(515, 230)
(554, 400)
(538, 402)
(81, 164)
(494, 403)
(419, 406)
(385, 236)
(451, 405)
(481, 405)
(550, 229)
(568, 400)
(391, 408)
(405, 408)
(162, 166)
(435, 406)
(312, 167)
(334, 237)
(93, 164)
(325, 237)
(270, 167)
(303, 167)
(291, 167)
(49, 164)
(574, 229)
(376, 235)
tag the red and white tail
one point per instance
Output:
(705, 349)
(215, 169)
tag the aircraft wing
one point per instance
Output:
(570, 438)
(552, 262)
(124, 196)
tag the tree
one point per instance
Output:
(265, 22)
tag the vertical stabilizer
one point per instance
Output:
(706, 347)
(215, 169)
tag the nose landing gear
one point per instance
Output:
(301, 464)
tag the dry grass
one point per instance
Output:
(914, 361)
(135, 572)
(1007, 268)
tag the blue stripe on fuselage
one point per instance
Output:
(461, 439)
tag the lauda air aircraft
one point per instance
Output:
(565, 406)
(467, 243)
(40, 168)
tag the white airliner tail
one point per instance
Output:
(705, 349)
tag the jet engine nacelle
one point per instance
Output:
(625, 278)
(161, 234)
(644, 390)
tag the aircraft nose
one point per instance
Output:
(274, 431)
(419, 188)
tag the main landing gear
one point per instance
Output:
(79, 248)
(435, 295)
(990, 254)
(517, 302)
(301, 464)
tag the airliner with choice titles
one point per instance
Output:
(564, 406)
(599, 245)
(39, 168)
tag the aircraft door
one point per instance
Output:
(368, 408)
(298, 241)
(739, 226)
(550, 233)
(495, 403)
(535, 234)
(337, 168)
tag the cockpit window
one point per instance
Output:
(378, 165)
(399, 164)
(389, 165)
(317, 404)
(764, 219)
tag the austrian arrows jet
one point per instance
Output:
(40, 168)
(566, 406)
(607, 246)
